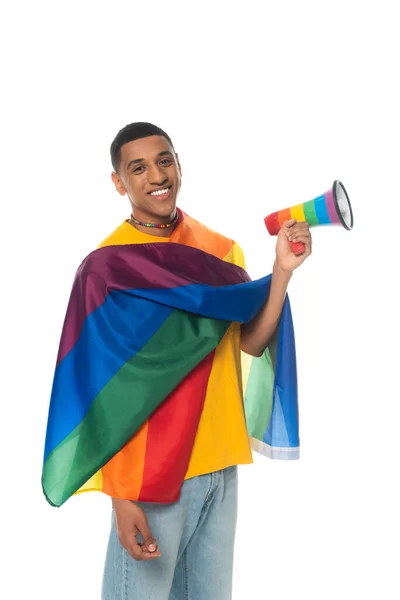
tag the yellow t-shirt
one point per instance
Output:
(222, 439)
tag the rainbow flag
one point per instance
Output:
(137, 347)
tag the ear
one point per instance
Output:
(119, 186)
(179, 164)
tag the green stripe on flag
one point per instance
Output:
(128, 399)
(259, 391)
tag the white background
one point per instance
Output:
(267, 103)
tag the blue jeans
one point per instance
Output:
(196, 537)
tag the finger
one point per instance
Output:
(146, 555)
(149, 556)
(138, 552)
(287, 225)
(299, 233)
(301, 237)
(145, 549)
(134, 550)
(298, 228)
(149, 543)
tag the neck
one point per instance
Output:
(154, 232)
(155, 226)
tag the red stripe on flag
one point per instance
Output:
(171, 434)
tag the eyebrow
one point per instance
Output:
(140, 160)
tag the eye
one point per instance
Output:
(137, 170)
(166, 161)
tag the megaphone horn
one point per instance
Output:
(331, 208)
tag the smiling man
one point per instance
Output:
(147, 401)
(185, 549)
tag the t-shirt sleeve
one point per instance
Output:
(238, 256)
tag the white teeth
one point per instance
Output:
(159, 192)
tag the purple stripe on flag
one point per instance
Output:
(141, 266)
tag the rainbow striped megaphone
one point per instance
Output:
(332, 208)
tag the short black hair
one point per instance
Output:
(129, 133)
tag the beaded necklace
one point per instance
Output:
(156, 225)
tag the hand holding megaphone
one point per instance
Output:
(331, 208)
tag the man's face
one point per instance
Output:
(149, 165)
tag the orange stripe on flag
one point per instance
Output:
(196, 235)
(120, 481)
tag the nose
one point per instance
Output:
(156, 175)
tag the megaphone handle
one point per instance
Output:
(297, 247)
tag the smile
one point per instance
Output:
(162, 194)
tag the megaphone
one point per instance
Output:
(331, 208)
